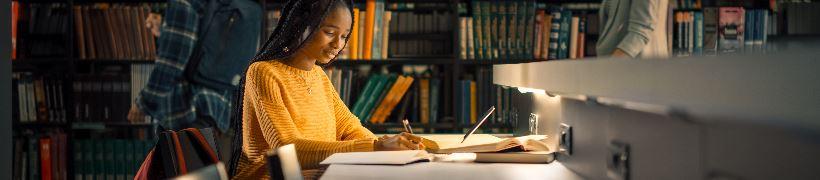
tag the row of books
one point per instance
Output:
(388, 97)
(139, 79)
(41, 156)
(368, 39)
(722, 30)
(43, 29)
(109, 158)
(478, 97)
(419, 96)
(478, 93)
(377, 21)
(562, 34)
(410, 29)
(342, 80)
(113, 31)
(101, 98)
(38, 98)
(501, 30)
(756, 29)
(526, 30)
(688, 4)
(801, 18)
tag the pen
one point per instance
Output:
(407, 127)
(486, 115)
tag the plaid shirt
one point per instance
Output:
(168, 97)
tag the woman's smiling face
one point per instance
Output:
(330, 37)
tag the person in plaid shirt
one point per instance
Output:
(168, 97)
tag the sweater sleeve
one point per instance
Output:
(278, 128)
(640, 25)
(348, 126)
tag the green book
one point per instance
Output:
(563, 37)
(505, 25)
(119, 159)
(99, 159)
(34, 158)
(368, 89)
(128, 159)
(88, 160)
(477, 30)
(109, 162)
(487, 30)
(78, 159)
(434, 99)
(376, 50)
(492, 32)
(380, 82)
(529, 18)
(376, 100)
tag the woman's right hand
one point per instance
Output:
(395, 143)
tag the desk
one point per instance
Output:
(451, 171)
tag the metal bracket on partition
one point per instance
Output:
(565, 143)
(617, 163)
(533, 124)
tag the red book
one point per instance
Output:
(15, 8)
(45, 158)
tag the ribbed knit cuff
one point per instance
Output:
(633, 43)
(363, 145)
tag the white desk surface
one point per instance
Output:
(451, 171)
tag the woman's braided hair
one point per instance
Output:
(300, 18)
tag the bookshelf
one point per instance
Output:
(449, 66)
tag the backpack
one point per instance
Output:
(228, 35)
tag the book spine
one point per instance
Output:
(699, 33)
(555, 32)
(710, 31)
(573, 38)
(563, 45)
(529, 30)
(478, 29)
(470, 39)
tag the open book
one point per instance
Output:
(445, 144)
(379, 157)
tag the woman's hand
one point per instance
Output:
(403, 141)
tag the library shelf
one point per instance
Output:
(106, 125)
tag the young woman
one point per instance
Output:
(287, 99)
(633, 28)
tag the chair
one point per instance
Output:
(283, 163)
(212, 172)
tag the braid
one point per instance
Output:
(300, 18)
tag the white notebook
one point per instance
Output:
(378, 157)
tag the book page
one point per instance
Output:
(451, 141)
(484, 143)
(378, 157)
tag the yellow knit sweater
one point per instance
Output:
(286, 105)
